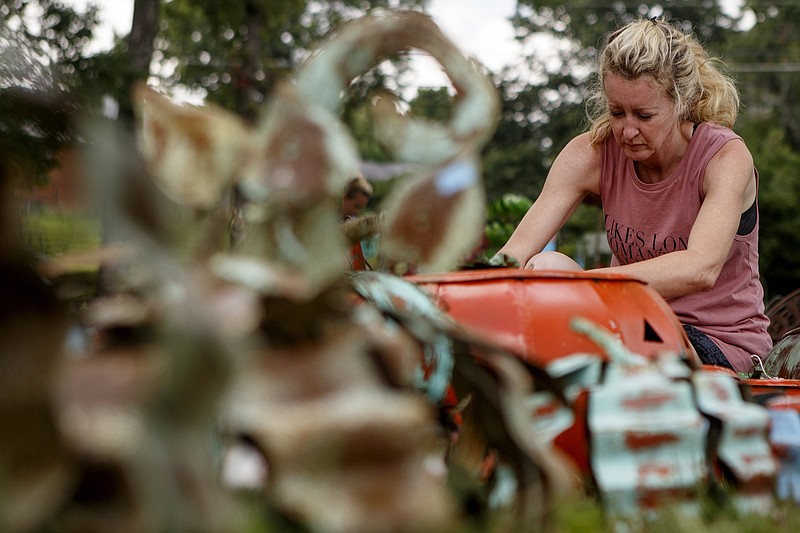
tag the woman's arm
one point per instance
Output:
(730, 189)
(574, 173)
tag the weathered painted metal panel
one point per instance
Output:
(740, 441)
(549, 416)
(647, 440)
(784, 438)
(784, 359)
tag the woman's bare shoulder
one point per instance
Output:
(579, 162)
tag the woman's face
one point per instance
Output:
(353, 202)
(642, 116)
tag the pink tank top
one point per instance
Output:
(644, 220)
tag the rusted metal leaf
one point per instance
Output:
(193, 152)
(356, 47)
(303, 155)
(436, 220)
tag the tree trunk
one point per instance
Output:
(246, 106)
(252, 50)
(143, 33)
(140, 48)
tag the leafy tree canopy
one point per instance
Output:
(43, 55)
(235, 51)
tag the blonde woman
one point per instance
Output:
(678, 189)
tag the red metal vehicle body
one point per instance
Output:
(529, 312)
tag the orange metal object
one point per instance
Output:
(774, 391)
(529, 312)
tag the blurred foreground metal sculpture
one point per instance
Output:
(323, 388)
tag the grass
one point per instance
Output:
(586, 515)
(50, 233)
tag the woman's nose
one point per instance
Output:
(630, 129)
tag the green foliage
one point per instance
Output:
(234, 52)
(532, 130)
(502, 216)
(34, 125)
(588, 218)
(432, 103)
(763, 60)
(214, 44)
(779, 210)
(357, 116)
(42, 49)
(587, 21)
(57, 34)
(356, 113)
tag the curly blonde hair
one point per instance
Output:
(676, 61)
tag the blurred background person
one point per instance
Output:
(357, 194)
